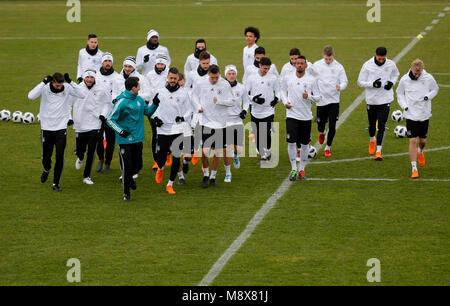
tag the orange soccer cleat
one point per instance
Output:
(372, 147)
(168, 160)
(159, 176)
(194, 159)
(252, 137)
(378, 156)
(421, 158)
(169, 189)
(415, 174)
(155, 166)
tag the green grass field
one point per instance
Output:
(318, 233)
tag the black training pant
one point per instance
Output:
(165, 147)
(110, 137)
(263, 128)
(87, 140)
(58, 140)
(378, 113)
(327, 113)
(131, 162)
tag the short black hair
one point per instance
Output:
(173, 70)
(214, 69)
(302, 57)
(260, 50)
(131, 82)
(253, 30)
(381, 51)
(265, 61)
(204, 55)
(58, 77)
(92, 35)
(294, 51)
(200, 40)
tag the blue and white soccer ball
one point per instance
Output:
(312, 152)
(400, 131)
(17, 116)
(28, 118)
(5, 115)
(397, 116)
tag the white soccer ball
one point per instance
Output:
(312, 152)
(28, 118)
(400, 131)
(17, 116)
(5, 115)
(38, 118)
(397, 115)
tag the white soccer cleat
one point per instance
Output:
(78, 164)
(227, 178)
(135, 176)
(88, 181)
(236, 162)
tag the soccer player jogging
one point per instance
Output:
(173, 110)
(415, 91)
(211, 97)
(378, 76)
(106, 76)
(89, 113)
(129, 70)
(263, 89)
(89, 57)
(299, 91)
(192, 60)
(260, 52)
(234, 126)
(289, 67)
(252, 36)
(127, 120)
(146, 55)
(55, 115)
(331, 80)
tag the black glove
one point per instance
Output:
(47, 79)
(102, 119)
(146, 58)
(274, 102)
(406, 109)
(425, 98)
(79, 80)
(179, 119)
(158, 122)
(377, 83)
(114, 101)
(146, 102)
(70, 122)
(156, 100)
(257, 99)
(124, 133)
(388, 85)
(67, 78)
(243, 114)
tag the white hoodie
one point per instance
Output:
(119, 85)
(411, 94)
(328, 76)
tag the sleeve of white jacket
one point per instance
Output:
(433, 87)
(315, 94)
(139, 59)
(76, 90)
(284, 93)
(246, 102)
(277, 89)
(362, 78)
(105, 97)
(401, 99)
(343, 81)
(79, 68)
(36, 91)
(145, 91)
(187, 68)
(394, 75)
(195, 99)
(188, 109)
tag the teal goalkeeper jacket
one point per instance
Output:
(128, 114)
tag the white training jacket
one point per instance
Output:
(214, 115)
(86, 110)
(156, 80)
(107, 81)
(251, 69)
(54, 111)
(172, 105)
(241, 103)
(119, 86)
(269, 87)
(148, 66)
(248, 55)
(192, 63)
(411, 94)
(371, 72)
(328, 76)
(87, 61)
(293, 88)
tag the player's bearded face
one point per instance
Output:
(89, 80)
(107, 64)
(204, 64)
(57, 85)
(417, 72)
(300, 65)
(172, 78)
(128, 69)
(380, 58)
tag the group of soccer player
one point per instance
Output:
(199, 113)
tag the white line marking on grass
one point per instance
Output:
(428, 28)
(207, 37)
(440, 15)
(435, 21)
(443, 85)
(270, 203)
(371, 157)
(441, 73)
